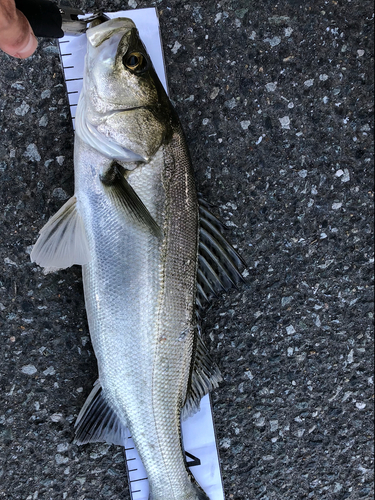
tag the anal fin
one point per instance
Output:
(62, 241)
(97, 422)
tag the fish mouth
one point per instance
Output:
(106, 29)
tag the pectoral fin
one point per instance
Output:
(123, 196)
(97, 422)
(205, 376)
(62, 241)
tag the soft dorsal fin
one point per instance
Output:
(219, 265)
(205, 376)
(97, 422)
(62, 241)
(123, 197)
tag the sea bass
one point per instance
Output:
(151, 255)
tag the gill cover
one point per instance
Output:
(121, 94)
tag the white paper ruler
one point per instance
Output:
(198, 431)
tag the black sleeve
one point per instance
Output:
(43, 16)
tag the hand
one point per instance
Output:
(16, 36)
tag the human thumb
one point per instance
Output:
(17, 38)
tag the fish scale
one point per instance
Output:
(176, 313)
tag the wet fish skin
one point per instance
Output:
(132, 167)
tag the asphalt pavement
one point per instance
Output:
(276, 99)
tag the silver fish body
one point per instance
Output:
(140, 291)
(147, 258)
(140, 294)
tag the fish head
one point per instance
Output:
(118, 75)
(123, 106)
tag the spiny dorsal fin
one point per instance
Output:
(123, 196)
(205, 376)
(97, 422)
(219, 265)
(62, 241)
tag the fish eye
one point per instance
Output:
(135, 61)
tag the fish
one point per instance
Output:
(152, 255)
